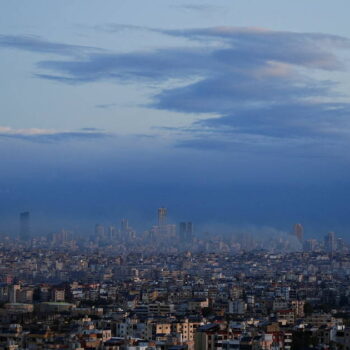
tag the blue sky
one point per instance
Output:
(230, 112)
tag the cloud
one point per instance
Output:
(252, 52)
(197, 7)
(314, 50)
(39, 45)
(285, 121)
(236, 91)
(204, 143)
(159, 65)
(50, 135)
(105, 105)
(119, 27)
(255, 81)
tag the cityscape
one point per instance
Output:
(174, 175)
(174, 238)
(171, 287)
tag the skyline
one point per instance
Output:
(234, 113)
(167, 228)
(166, 235)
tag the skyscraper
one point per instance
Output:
(183, 227)
(310, 245)
(124, 225)
(186, 231)
(24, 225)
(112, 232)
(330, 242)
(162, 213)
(163, 229)
(299, 232)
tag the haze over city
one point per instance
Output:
(232, 114)
(174, 175)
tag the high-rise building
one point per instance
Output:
(186, 231)
(112, 232)
(99, 232)
(163, 229)
(24, 225)
(126, 231)
(13, 291)
(299, 232)
(61, 237)
(340, 244)
(162, 213)
(310, 245)
(330, 242)
(124, 225)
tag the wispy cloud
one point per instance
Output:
(106, 105)
(50, 135)
(254, 80)
(120, 27)
(197, 7)
(37, 44)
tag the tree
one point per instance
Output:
(308, 309)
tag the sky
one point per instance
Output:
(230, 113)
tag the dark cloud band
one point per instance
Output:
(254, 80)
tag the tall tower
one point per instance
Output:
(299, 232)
(124, 225)
(186, 231)
(162, 213)
(24, 225)
(330, 242)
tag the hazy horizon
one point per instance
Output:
(234, 114)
